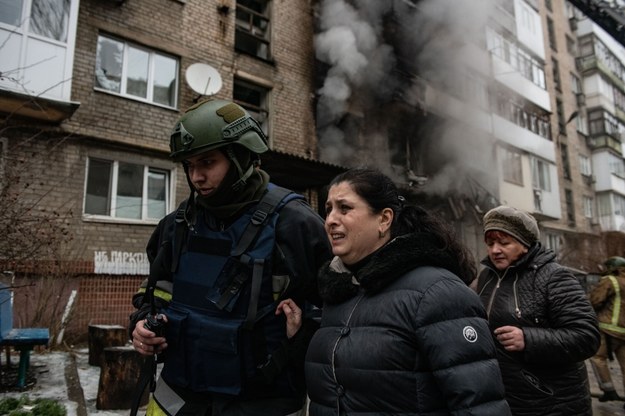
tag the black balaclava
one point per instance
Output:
(227, 201)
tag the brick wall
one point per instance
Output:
(42, 302)
(53, 157)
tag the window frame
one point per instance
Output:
(152, 53)
(553, 242)
(551, 34)
(248, 29)
(24, 76)
(113, 191)
(512, 166)
(588, 203)
(541, 175)
(254, 109)
(585, 165)
(570, 206)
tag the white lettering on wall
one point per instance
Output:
(120, 262)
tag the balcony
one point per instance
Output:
(604, 141)
(589, 63)
(39, 108)
(522, 138)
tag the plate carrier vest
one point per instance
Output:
(223, 302)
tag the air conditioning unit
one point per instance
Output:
(581, 99)
(573, 23)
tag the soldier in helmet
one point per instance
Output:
(607, 300)
(225, 269)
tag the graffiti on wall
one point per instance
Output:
(120, 262)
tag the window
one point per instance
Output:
(588, 203)
(37, 45)
(525, 117)
(552, 241)
(576, 84)
(556, 75)
(508, 50)
(551, 32)
(616, 165)
(540, 175)
(126, 190)
(512, 167)
(602, 122)
(564, 156)
(585, 167)
(619, 98)
(255, 99)
(475, 90)
(548, 5)
(136, 72)
(570, 208)
(619, 204)
(604, 204)
(252, 34)
(571, 46)
(560, 114)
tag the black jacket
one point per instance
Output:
(301, 247)
(560, 327)
(409, 339)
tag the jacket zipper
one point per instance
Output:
(489, 305)
(336, 343)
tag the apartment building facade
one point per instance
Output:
(499, 111)
(586, 73)
(518, 104)
(89, 92)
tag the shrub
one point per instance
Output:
(23, 406)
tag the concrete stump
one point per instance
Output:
(103, 336)
(120, 371)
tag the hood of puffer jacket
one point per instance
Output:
(396, 258)
(536, 257)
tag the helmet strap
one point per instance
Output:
(243, 179)
(243, 176)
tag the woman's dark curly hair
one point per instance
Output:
(379, 191)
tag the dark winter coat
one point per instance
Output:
(560, 328)
(409, 338)
(301, 247)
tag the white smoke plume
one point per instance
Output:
(369, 67)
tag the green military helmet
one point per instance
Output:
(613, 264)
(212, 124)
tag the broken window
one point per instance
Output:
(253, 33)
(255, 99)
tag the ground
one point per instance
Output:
(67, 377)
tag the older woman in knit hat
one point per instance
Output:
(540, 316)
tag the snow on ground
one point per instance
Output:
(50, 367)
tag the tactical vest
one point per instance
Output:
(222, 295)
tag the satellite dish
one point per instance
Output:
(203, 79)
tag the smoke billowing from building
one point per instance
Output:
(384, 61)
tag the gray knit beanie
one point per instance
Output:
(515, 222)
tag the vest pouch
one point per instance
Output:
(175, 354)
(207, 356)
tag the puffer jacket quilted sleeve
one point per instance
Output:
(421, 346)
(572, 322)
(455, 340)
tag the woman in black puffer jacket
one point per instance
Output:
(401, 332)
(540, 316)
